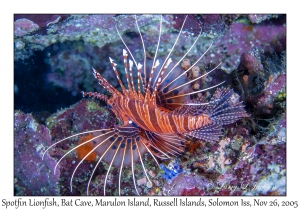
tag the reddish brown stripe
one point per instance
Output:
(154, 120)
(148, 118)
(132, 110)
(185, 123)
(181, 123)
(167, 125)
(176, 122)
(172, 123)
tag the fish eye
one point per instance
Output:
(133, 124)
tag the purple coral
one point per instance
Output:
(244, 38)
(86, 115)
(83, 116)
(265, 100)
(32, 175)
(251, 63)
(24, 26)
(183, 183)
(258, 18)
(42, 20)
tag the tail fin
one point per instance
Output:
(225, 107)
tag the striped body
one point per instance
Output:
(151, 117)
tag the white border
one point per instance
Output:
(153, 6)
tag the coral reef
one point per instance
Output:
(24, 26)
(85, 115)
(252, 170)
(94, 29)
(258, 18)
(186, 185)
(241, 37)
(33, 176)
(250, 158)
(75, 60)
(262, 82)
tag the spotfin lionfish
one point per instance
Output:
(157, 113)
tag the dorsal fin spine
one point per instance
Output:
(153, 97)
(117, 75)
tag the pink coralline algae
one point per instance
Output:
(185, 184)
(42, 20)
(255, 164)
(24, 26)
(258, 18)
(251, 63)
(262, 81)
(83, 116)
(273, 88)
(32, 175)
(98, 30)
(213, 23)
(242, 38)
(241, 163)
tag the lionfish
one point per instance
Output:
(157, 113)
